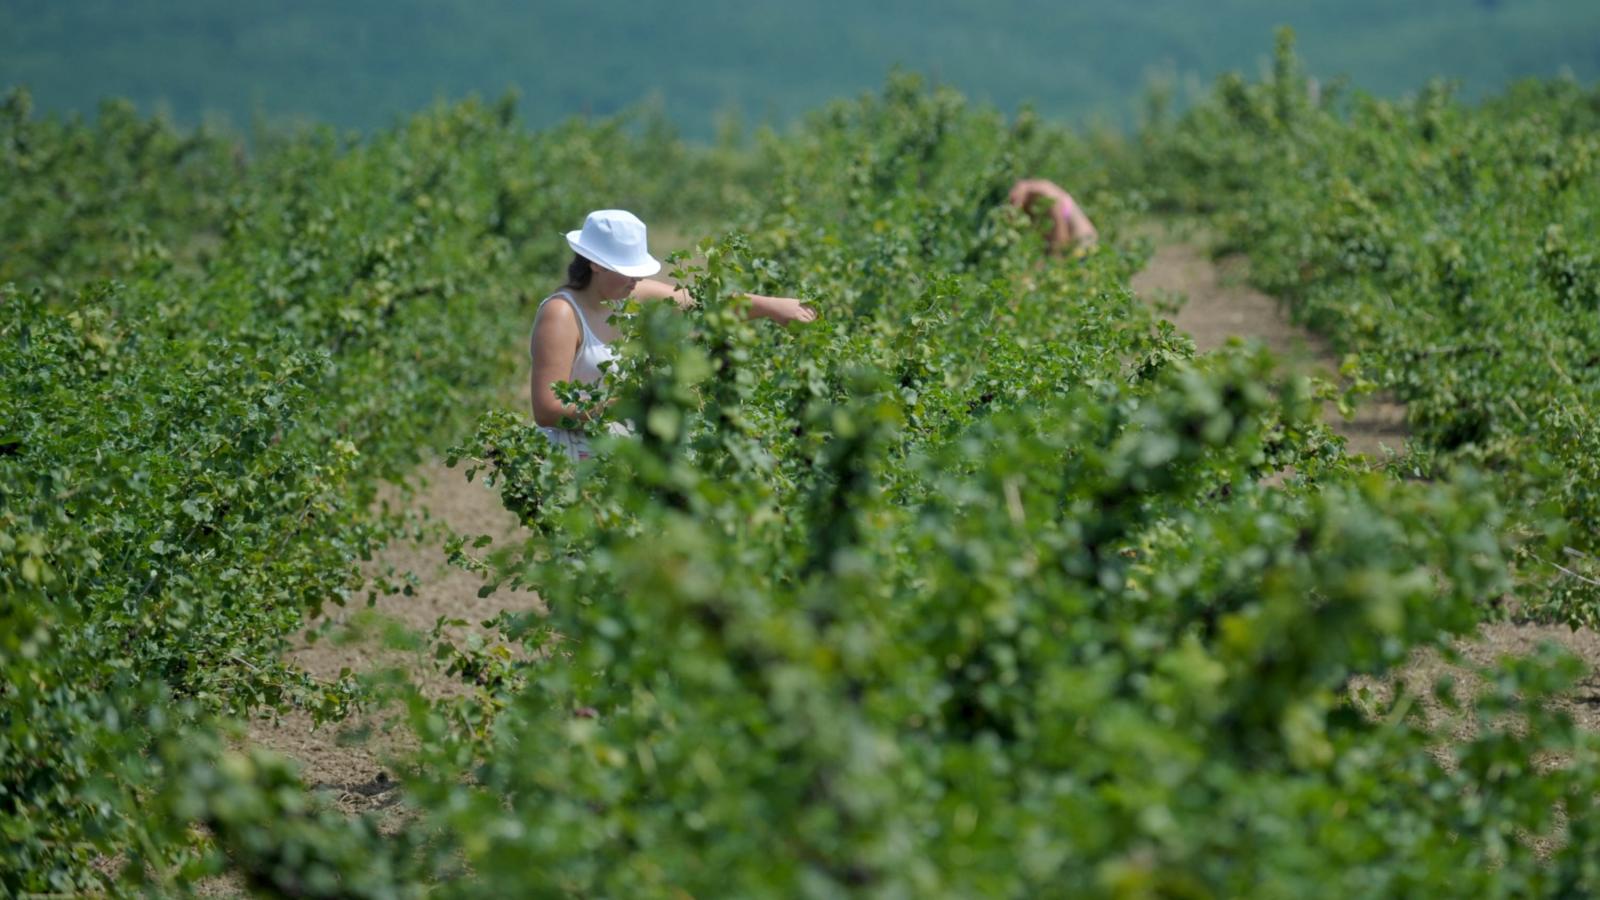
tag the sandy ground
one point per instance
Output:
(350, 764)
(1220, 305)
(354, 771)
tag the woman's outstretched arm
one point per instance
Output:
(782, 310)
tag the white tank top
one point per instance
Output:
(585, 369)
(591, 350)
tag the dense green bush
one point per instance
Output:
(1451, 250)
(209, 363)
(978, 587)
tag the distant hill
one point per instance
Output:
(360, 63)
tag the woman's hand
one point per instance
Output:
(782, 310)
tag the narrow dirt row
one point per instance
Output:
(347, 760)
(1219, 305)
(348, 763)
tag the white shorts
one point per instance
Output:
(576, 443)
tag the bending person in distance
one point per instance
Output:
(573, 335)
(1070, 229)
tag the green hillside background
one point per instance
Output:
(362, 63)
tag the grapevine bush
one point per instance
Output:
(210, 360)
(1451, 252)
(982, 586)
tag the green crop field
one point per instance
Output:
(984, 584)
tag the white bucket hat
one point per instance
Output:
(614, 238)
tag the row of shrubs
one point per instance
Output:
(1453, 252)
(212, 357)
(984, 585)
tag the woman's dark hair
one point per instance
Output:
(578, 273)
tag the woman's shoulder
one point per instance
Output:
(557, 306)
(555, 314)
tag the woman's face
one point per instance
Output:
(612, 285)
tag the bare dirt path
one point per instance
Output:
(348, 763)
(1219, 305)
(363, 640)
